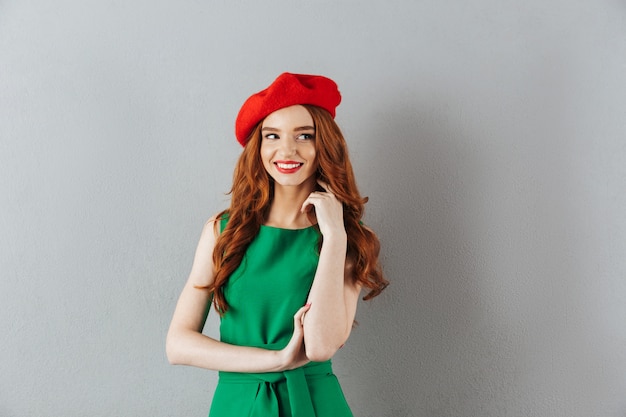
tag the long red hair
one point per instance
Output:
(252, 193)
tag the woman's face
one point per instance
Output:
(288, 146)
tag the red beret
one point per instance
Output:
(287, 90)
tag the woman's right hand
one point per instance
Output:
(293, 355)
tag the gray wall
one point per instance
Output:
(489, 135)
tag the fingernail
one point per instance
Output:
(307, 305)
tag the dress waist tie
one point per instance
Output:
(266, 401)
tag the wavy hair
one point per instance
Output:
(253, 191)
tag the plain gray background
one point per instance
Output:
(488, 134)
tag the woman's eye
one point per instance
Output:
(271, 136)
(306, 136)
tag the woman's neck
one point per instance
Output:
(285, 210)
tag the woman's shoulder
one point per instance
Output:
(215, 224)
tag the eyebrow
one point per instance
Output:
(297, 129)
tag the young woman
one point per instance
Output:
(284, 265)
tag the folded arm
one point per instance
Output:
(185, 343)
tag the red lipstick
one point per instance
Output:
(288, 167)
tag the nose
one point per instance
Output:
(288, 146)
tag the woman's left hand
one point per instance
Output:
(328, 210)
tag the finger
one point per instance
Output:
(305, 205)
(308, 202)
(299, 316)
(324, 185)
(316, 196)
(301, 311)
(297, 325)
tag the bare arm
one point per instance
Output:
(186, 345)
(333, 295)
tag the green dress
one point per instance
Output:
(263, 294)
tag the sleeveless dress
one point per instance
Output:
(265, 291)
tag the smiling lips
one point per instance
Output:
(288, 167)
